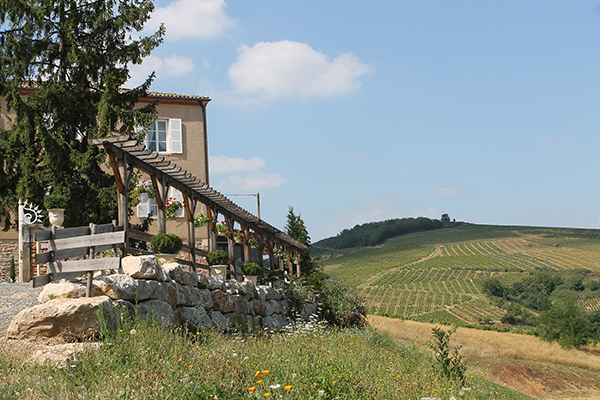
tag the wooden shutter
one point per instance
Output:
(175, 135)
(143, 209)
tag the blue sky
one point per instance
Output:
(354, 111)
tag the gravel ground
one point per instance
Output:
(14, 297)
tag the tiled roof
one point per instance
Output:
(176, 96)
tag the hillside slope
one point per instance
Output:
(437, 276)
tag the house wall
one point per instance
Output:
(194, 159)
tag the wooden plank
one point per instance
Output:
(71, 232)
(96, 264)
(88, 241)
(108, 247)
(41, 280)
(41, 236)
(43, 258)
(110, 139)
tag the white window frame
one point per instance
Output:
(173, 136)
(143, 209)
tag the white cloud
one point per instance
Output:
(251, 182)
(448, 192)
(202, 19)
(172, 66)
(243, 174)
(224, 164)
(272, 70)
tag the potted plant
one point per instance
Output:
(275, 277)
(200, 220)
(55, 204)
(251, 271)
(172, 206)
(218, 260)
(142, 193)
(166, 243)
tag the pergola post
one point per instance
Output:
(190, 211)
(123, 198)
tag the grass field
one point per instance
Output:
(437, 276)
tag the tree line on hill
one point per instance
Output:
(548, 301)
(374, 233)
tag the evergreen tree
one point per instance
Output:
(296, 229)
(62, 66)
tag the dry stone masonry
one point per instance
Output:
(174, 296)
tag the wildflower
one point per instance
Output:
(267, 394)
(132, 332)
(321, 393)
(258, 375)
(275, 386)
(288, 387)
(259, 381)
(252, 389)
(266, 371)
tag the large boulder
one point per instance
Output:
(65, 289)
(160, 310)
(212, 283)
(195, 318)
(117, 286)
(177, 274)
(222, 302)
(72, 318)
(61, 355)
(219, 320)
(144, 267)
(154, 290)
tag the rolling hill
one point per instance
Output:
(438, 275)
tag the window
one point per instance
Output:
(164, 136)
(151, 208)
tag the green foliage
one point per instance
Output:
(296, 229)
(251, 269)
(217, 257)
(200, 220)
(340, 305)
(63, 66)
(449, 362)
(11, 271)
(493, 287)
(168, 243)
(565, 323)
(55, 200)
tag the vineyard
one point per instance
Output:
(437, 276)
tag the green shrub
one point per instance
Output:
(168, 243)
(449, 362)
(218, 257)
(251, 269)
(11, 272)
(55, 200)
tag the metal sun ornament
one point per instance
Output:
(31, 214)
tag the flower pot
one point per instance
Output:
(143, 197)
(219, 270)
(251, 278)
(56, 216)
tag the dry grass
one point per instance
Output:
(479, 344)
(525, 363)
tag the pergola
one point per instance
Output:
(127, 154)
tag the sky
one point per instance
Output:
(353, 111)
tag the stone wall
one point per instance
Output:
(175, 296)
(7, 248)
